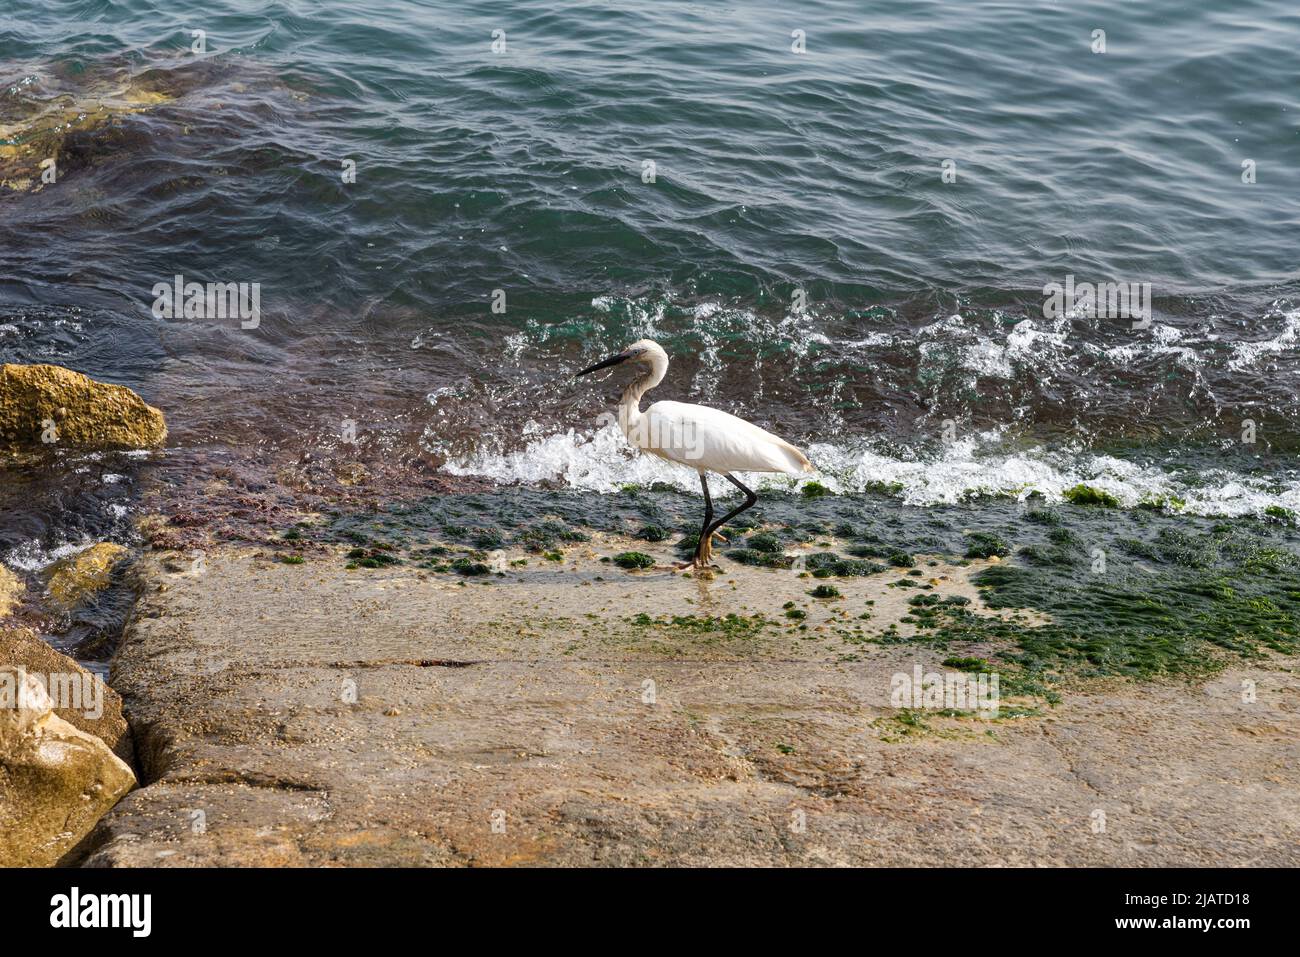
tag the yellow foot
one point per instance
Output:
(704, 557)
(697, 565)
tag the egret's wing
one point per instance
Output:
(705, 438)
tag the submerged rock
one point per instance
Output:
(56, 780)
(44, 406)
(42, 124)
(79, 577)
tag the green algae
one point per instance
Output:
(987, 545)
(378, 557)
(547, 535)
(633, 560)
(975, 665)
(874, 547)
(1201, 596)
(884, 489)
(766, 542)
(1207, 595)
(814, 490)
(687, 544)
(469, 567)
(1087, 495)
(729, 626)
(1163, 503)
(1176, 594)
(1278, 513)
(489, 540)
(1044, 516)
(760, 559)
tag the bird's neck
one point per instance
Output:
(629, 406)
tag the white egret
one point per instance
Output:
(707, 440)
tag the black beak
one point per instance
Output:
(605, 363)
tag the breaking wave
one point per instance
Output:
(601, 461)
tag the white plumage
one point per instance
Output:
(715, 441)
(707, 440)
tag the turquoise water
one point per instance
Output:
(523, 168)
(922, 357)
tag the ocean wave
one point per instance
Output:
(601, 461)
(1247, 354)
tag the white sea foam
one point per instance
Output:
(1026, 345)
(31, 556)
(603, 462)
(1246, 354)
(1009, 348)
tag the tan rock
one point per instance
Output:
(525, 735)
(78, 577)
(55, 781)
(11, 591)
(86, 702)
(43, 405)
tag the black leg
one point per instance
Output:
(750, 499)
(708, 516)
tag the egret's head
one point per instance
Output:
(644, 351)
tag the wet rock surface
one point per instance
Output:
(79, 577)
(308, 714)
(44, 405)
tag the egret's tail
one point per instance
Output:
(799, 462)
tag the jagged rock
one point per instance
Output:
(11, 591)
(44, 405)
(78, 577)
(55, 781)
(85, 702)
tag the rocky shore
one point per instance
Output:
(512, 677)
(66, 750)
(314, 715)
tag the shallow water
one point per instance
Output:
(922, 359)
